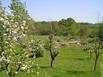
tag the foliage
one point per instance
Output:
(36, 49)
(62, 27)
(70, 26)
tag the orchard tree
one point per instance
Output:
(98, 48)
(50, 47)
(14, 55)
(14, 48)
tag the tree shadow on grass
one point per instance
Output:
(76, 72)
(80, 71)
(83, 73)
(82, 59)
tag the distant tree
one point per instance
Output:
(55, 27)
(43, 28)
(83, 32)
(100, 32)
(70, 26)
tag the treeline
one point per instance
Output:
(63, 27)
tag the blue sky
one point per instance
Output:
(48, 10)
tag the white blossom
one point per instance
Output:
(14, 31)
(23, 35)
(5, 17)
(24, 22)
(22, 27)
(4, 34)
(3, 58)
(24, 67)
(16, 72)
(29, 18)
(1, 19)
(16, 23)
(0, 59)
(19, 62)
(14, 38)
(37, 73)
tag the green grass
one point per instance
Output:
(71, 62)
(42, 38)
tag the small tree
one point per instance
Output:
(50, 47)
(97, 48)
(98, 44)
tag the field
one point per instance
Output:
(71, 62)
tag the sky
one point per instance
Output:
(53, 10)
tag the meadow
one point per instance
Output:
(71, 62)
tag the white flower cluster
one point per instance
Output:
(1, 19)
(24, 67)
(3, 59)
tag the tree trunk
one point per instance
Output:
(51, 64)
(11, 74)
(95, 65)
